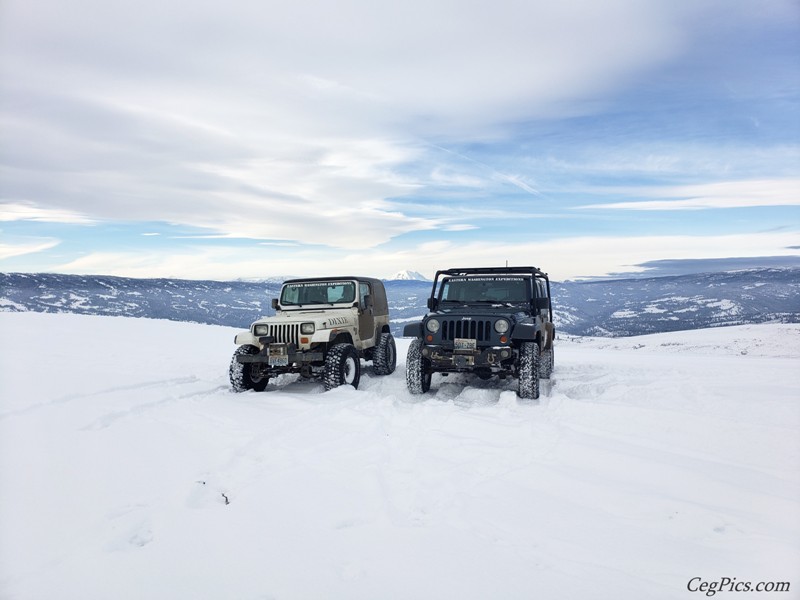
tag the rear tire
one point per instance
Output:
(418, 375)
(384, 357)
(241, 374)
(546, 363)
(342, 367)
(529, 371)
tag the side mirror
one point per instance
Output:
(275, 304)
(432, 303)
(541, 303)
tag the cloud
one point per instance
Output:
(729, 194)
(269, 121)
(460, 227)
(661, 268)
(26, 211)
(323, 129)
(588, 256)
(563, 258)
(20, 248)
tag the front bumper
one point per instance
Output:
(282, 356)
(446, 358)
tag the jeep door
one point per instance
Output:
(366, 312)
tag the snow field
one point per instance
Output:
(129, 470)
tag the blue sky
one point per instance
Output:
(257, 138)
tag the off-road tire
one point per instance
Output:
(384, 356)
(342, 367)
(240, 373)
(418, 375)
(546, 363)
(529, 371)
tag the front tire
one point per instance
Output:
(384, 357)
(529, 371)
(342, 367)
(418, 375)
(242, 375)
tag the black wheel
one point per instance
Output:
(242, 375)
(546, 363)
(384, 357)
(529, 371)
(418, 375)
(342, 366)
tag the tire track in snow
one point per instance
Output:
(73, 397)
(109, 419)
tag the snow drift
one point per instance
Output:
(128, 470)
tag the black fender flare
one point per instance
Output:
(339, 337)
(413, 330)
(526, 332)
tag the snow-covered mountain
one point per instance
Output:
(129, 470)
(408, 276)
(639, 306)
(604, 308)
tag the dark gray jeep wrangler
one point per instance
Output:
(322, 327)
(491, 321)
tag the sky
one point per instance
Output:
(250, 139)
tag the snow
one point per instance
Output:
(654, 310)
(407, 275)
(128, 470)
(6, 304)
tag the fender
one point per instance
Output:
(246, 338)
(525, 332)
(322, 336)
(338, 336)
(413, 330)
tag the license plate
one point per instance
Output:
(278, 355)
(464, 344)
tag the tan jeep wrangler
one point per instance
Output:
(323, 327)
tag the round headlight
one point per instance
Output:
(432, 325)
(261, 330)
(501, 326)
(307, 328)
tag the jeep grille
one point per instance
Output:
(472, 329)
(285, 334)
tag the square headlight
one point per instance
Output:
(307, 328)
(261, 330)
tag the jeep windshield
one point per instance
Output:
(303, 293)
(485, 290)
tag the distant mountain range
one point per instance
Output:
(602, 308)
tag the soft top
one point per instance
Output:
(334, 278)
(379, 301)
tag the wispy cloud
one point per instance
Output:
(729, 194)
(20, 248)
(28, 211)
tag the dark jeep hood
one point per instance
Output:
(479, 311)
